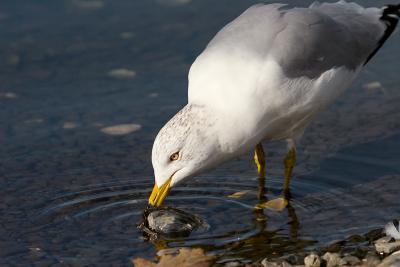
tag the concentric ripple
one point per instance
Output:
(103, 216)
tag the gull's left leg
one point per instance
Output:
(289, 162)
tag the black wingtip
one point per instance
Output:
(390, 15)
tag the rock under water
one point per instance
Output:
(169, 222)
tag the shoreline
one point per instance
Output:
(369, 250)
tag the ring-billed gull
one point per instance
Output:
(264, 77)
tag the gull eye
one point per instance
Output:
(174, 156)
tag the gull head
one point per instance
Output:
(187, 145)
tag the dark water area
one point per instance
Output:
(72, 189)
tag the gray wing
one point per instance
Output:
(305, 41)
(324, 36)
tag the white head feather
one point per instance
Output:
(192, 134)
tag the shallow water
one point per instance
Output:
(72, 191)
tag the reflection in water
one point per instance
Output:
(270, 242)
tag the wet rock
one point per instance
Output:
(386, 245)
(371, 260)
(234, 264)
(286, 264)
(185, 258)
(266, 263)
(350, 260)
(361, 252)
(293, 259)
(169, 222)
(374, 235)
(312, 260)
(356, 239)
(332, 259)
(335, 247)
(391, 261)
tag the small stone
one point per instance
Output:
(374, 235)
(350, 260)
(233, 264)
(361, 252)
(371, 260)
(385, 246)
(238, 194)
(122, 74)
(312, 260)
(127, 35)
(293, 259)
(122, 129)
(391, 261)
(69, 125)
(332, 259)
(335, 247)
(8, 95)
(373, 86)
(286, 264)
(170, 222)
(266, 263)
(153, 95)
(356, 239)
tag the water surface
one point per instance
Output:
(71, 193)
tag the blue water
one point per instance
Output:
(72, 194)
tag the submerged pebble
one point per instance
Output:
(169, 222)
(121, 129)
(9, 95)
(122, 74)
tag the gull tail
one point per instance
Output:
(390, 16)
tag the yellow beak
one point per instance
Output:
(159, 194)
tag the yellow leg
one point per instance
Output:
(280, 204)
(289, 162)
(259, 158)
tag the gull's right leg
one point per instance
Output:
(259, 158)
